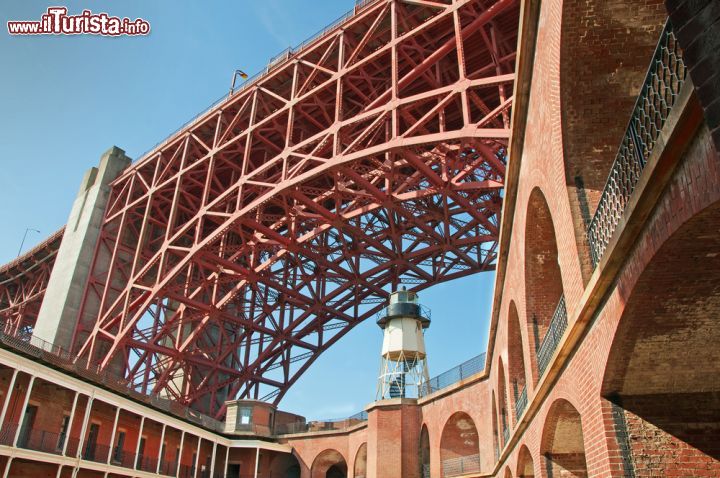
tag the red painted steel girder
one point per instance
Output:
(238, 251)
(23, 283)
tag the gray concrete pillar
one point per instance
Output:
(59, 311)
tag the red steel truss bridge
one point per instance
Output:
(238, 250)
(23, 283)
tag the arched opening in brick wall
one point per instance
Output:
(599, 84)
(424, 452)
(662, 372)
(543, 281)
(562, 444)
(285, 465)
(502, 403)
(459, 446)
(508, 473)
(516, 362)
(496, 437)
(329, 464)
(525, 466)
(360, 466)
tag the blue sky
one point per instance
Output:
(65, 100)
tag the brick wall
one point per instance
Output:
(678, 440)
(599, 84)
(697, 24)
(543, 283)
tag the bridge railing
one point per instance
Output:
(454, 375)
(554, 333)
(664, 79)
(274, 63)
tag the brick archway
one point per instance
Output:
(599, 82)
(360, 465)
(329, 464)
(285, 465)
(543, 280)
(562, 444)
(665, 351)
(459, 446)
(424, 452)
(502, 403)
(508, 473)
(516, 359)
(525, 466)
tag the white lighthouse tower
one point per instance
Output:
(403, 368)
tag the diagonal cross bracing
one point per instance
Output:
(237, 252)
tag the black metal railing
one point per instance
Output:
(146, 463)
(461, 465)
(186, 471)
(7, 433)
(404, 309)
(521, 403)
(554, 333)
(664, 79)
(329, 424)
(45, 441)
(454, 375)
(96, 452)
(41, 440)
(123, 458)
(168, 467)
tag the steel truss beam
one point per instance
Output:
(22, 286)
(236, 253)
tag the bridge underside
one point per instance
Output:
(234, 254)
(22, 286)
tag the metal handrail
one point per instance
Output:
(38, 248)
(454, 375)
(385, 311)
(555, 331)
(663, 81)
(461, 465)
(328, 424)
(521, 403)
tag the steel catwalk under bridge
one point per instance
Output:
(238, 250)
